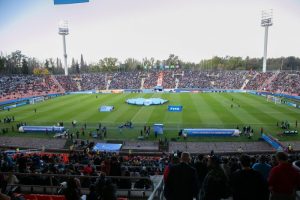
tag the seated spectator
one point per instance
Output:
(92, 195)
(108, 191)
(125, 183)
(143, 183)
(11, 179)
(72, 191)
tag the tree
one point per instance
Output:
(47, 64)
(131, 64)
(77, 69)
(2, 64)
(83, 65)
(108, 64)
(25, 69)
(72, 70)
(173, 60)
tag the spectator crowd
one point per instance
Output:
(202, 177)
(17, 86)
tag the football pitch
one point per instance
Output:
(200, 110)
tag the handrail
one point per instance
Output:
(158, 189)
(73, 176)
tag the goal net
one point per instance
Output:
(274, 99)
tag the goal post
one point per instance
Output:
(276, 100)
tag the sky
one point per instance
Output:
(191, 29)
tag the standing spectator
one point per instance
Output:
(263, 167)
(215, 185)
(248, 184)
(174, 161)
(182, 180)
(201, 168)
(283, 179)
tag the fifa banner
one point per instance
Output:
(69, 1)
(175, 108)
(106, 108)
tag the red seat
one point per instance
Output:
(30, 197)
(43, 197)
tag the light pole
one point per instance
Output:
(63, 30)
(266, 21)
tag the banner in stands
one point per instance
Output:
(104, 91)
(106, 108)
(83, 92)
(116, 91)
(175, 108)
(133, 91)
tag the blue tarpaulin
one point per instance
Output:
(69, 1)
(158, 128)
(275, 144)
(107, 147)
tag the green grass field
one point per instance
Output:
(202, 110)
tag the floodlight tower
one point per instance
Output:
(64, 30)
(266, 21)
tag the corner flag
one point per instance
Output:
(69, 1)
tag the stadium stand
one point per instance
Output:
(14, 87)
(44, 175)
(17, 86)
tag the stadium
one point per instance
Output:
(117, 130)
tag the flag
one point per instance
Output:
(69, 1)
